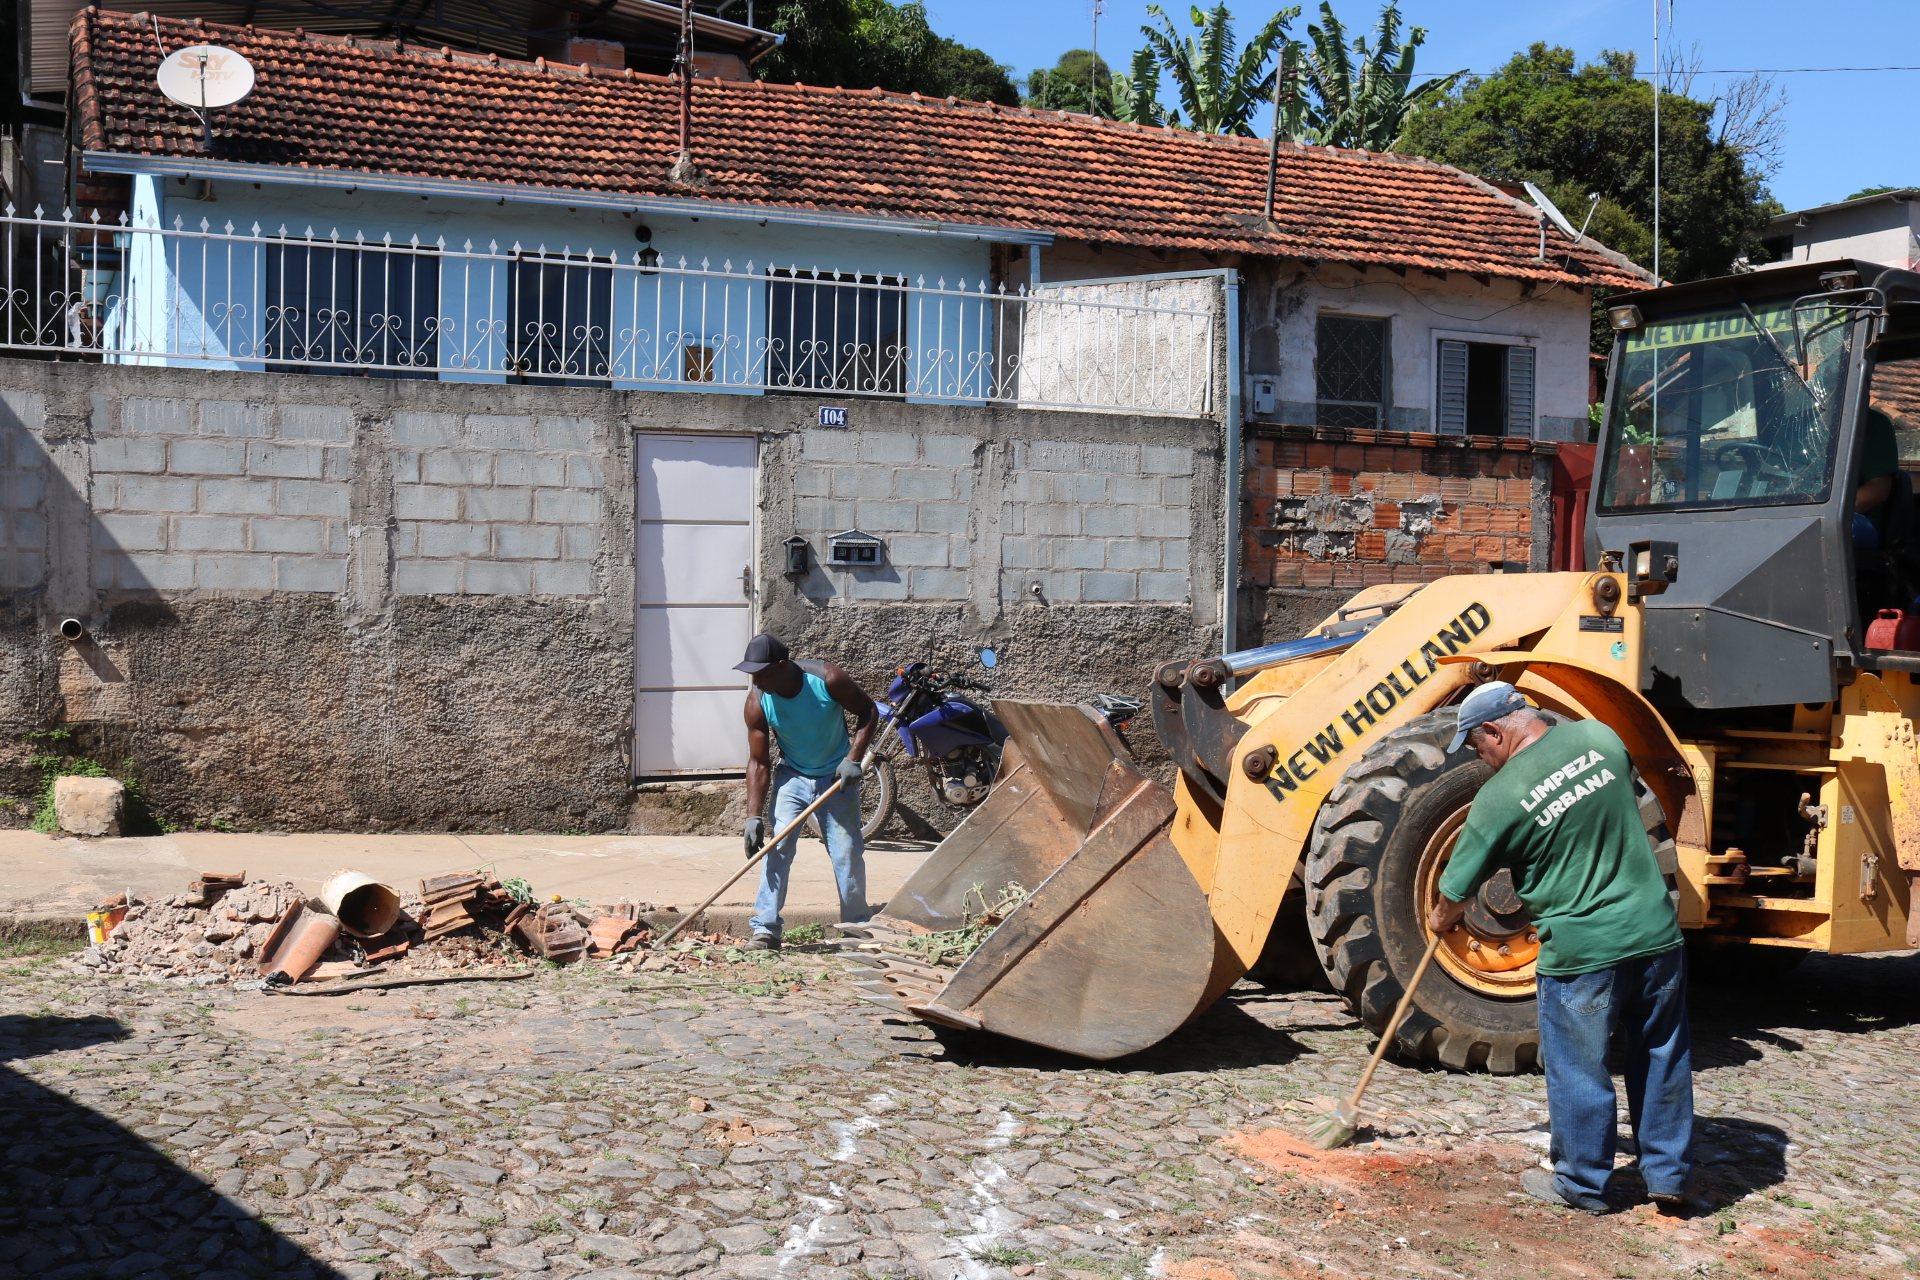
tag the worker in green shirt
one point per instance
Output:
(1559, 813)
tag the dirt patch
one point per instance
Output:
(688, 809)
(1367, 1212)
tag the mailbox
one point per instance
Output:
(796, 556)
(855, 550)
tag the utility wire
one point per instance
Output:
(1704, 71)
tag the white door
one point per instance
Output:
(694, 603)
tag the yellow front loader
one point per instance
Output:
(1725, 639)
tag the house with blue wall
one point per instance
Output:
(457, 408)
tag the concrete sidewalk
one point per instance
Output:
(64, 877)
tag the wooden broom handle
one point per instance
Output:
(1393, 1026)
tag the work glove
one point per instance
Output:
(756, 835)
(849, 770)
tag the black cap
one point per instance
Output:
(763, 651)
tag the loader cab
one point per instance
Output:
(1735, 427)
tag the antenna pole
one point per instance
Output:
(685, 172)
(1093, 63)
(685, 59)
(1273, 143)
(1657, 77)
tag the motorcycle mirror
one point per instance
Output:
(988, 658)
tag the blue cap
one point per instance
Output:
(1490, 701)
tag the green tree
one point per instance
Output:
(1219, 92)
(1864, 192)
(862, 43)
(1080, 81)
(1580, 129)
(1359, 97)
(1136, 95)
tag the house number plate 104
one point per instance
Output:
(833, 417)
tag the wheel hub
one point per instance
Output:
(1496, 946)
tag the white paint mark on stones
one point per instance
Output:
(992, 1220)
(802, 1238)
(849, 1131)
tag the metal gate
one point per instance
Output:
(693, 602)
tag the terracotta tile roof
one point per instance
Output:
(1896, 389)
(356, 105)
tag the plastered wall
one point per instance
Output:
(358, 603)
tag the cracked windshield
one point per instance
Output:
(1727, 408)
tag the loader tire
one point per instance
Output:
(1366, 916)
(1362, 864)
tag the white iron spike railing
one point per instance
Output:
(308, 303)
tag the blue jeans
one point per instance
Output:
(1646, 1001)
(846, 848)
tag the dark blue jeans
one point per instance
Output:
(1644, 1000)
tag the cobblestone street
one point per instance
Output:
(755, 1120)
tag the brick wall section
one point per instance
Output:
(494, 504)
(1349, 509)
(221, 494)
(1090, 522)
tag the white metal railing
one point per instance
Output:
(285, 302)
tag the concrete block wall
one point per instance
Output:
(23, 519)
(1098, 522)
(913, 491)
(321, 602)
(363, 603)
(1101, 523)
(219, 494)
(495, 504)
(1326, 510)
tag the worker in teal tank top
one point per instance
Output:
(804, 705)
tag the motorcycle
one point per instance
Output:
(944, 724)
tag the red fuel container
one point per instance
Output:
(1894, 629)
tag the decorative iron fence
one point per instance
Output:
(309, 303)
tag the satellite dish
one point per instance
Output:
(205, 77)
(1552, 211)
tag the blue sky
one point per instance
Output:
(1845, 131)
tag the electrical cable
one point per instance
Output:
(1447, 315)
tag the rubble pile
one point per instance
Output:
(220, 929)
(188, 936)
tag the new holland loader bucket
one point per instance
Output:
(1111, 950)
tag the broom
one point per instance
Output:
(1335, 1129)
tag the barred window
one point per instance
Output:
(1350, 369)
(837, 331)
(330, 309)
(560, 320)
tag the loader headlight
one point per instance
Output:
(1627, 317)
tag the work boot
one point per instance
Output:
(761, 941)
(1543, 1186)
